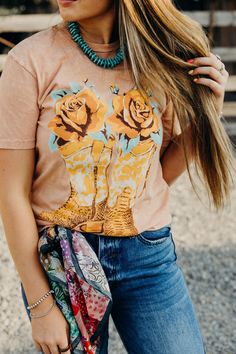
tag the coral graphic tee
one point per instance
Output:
(97, 141)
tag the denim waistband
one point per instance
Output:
(163, 229)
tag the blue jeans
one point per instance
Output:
(152, 309)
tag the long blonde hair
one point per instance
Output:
(159, 41)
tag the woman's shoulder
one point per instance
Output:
(36, 48)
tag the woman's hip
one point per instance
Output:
(150, 254)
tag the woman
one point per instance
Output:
(93, 145)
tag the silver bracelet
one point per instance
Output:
(40, 300)
(45, 313)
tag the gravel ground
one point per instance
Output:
(206, 247)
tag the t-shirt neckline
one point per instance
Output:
(97, 47)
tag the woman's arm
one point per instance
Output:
(16, 171)
(173, 160)
(20, 227)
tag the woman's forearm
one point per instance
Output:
(22, 238)
(173, 159)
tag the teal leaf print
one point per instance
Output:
(157, 137)
(75, 87)
(102, 135)
(155, 108)
(98, 136)
(108, 131)
(57, 94)
(110, 107)
(52, 142)
(128, 144)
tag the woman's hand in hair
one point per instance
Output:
(215, 76)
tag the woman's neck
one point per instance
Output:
(102, 29)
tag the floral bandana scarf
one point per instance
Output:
(80, 286)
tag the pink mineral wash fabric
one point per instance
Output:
(97, 141)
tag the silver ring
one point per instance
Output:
(222, 68)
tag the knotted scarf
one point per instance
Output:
(81, 289)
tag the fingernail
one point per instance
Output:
(190, 61)
(195, 80)
(190, 71)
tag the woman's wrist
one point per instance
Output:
(43, 306)
(29, 307)
(35, 283)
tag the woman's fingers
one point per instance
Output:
(54, 349)
(212, 60)
(45, 349)
(38, 346)
(213, 85)
(211, 72)
(64, 344)
(216, 76)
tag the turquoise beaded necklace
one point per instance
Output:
(103, 62)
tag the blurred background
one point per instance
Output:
(205, 240)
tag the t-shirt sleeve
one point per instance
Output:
(171, 126)
(19, 109)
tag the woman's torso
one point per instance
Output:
(97, 141)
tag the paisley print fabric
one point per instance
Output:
(81, 288)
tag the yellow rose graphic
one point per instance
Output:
(133, 115)
(78, 114)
